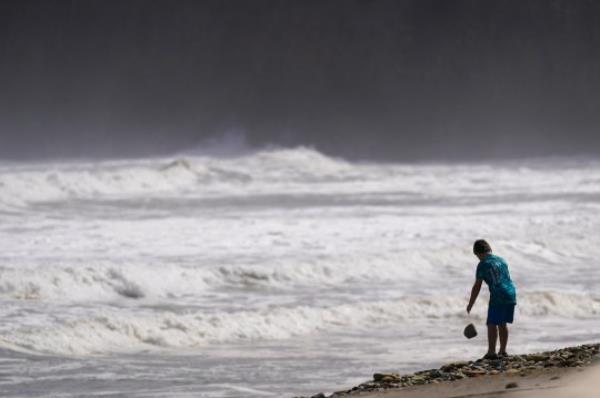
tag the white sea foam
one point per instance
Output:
(199, 175)
(118, 330)
(196, 251)
(286, 263)
(284, 171)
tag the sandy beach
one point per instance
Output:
(567, 372)
(548, 383)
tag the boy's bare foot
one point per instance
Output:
(503, 354)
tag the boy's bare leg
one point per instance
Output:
(503, 332)
(492, 337)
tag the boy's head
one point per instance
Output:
(481, 248)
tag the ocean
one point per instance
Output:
(279, 272)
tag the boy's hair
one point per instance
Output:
(481, 247)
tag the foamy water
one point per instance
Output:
(278, 272)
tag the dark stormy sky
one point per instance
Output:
(394, 80)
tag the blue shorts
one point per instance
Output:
(500, 313)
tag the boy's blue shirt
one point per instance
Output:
(494, 271)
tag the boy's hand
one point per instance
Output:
(469, 308)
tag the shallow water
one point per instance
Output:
(279, 272)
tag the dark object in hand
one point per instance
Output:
(470, 331)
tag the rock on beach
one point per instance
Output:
(522, 365)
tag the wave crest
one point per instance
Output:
(193, 174)
(117, 330)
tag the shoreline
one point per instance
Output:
(524, 375)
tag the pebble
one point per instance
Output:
(521, 365)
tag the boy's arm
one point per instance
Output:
(474, 293)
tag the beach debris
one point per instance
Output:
(521, 365)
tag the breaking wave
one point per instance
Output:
(171, 254)
(20, 185)
(267, 171)
(111, 330)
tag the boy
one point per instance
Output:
(494, 271)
